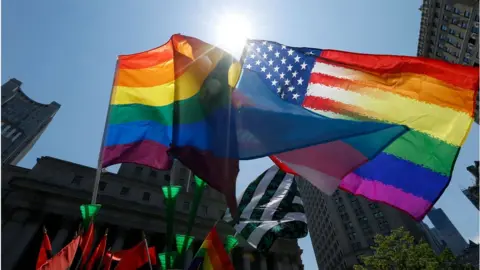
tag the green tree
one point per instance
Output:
(400, 252)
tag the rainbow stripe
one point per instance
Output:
(212, 254)
(435, 99)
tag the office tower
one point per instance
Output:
(449, 31)
(447, 230)
(132, 201)
(343, 226)
(472, 191)
(23, 121)
(433, 238)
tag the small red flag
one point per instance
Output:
(87, 243)
(45, 252)
(135, 257)
(63, 259)
(99, 251)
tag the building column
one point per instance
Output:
(263, 263)
(246, 261)
(120, 238)
(16, 249)
(188, 258)
(13, 227)
(279, 262)
(60, 237)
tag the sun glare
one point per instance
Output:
(232, 30)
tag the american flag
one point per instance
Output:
(285, 69)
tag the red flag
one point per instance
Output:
(45, 252)
(135, 257)
(99, 251)
(63, 259)
(107, 260)
(87, 243)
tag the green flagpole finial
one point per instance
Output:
(181, 240)
(89, 212)
(230, 243)
(199, 182)
(163, 259)
(171, 192)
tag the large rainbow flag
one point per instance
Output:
(212, 254)
(179, 101)
(435, 99)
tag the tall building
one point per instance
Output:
(472, 191)
(132, 201)
(470, 255)
(23, 121)
(449, 31)
(433, 238)
(343, 226)
(455, 242)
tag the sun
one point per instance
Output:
(232, 31)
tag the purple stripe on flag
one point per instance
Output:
(145, 152)
(378, 191)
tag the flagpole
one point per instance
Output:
(88, 240)
(146, 249)
(102, 144)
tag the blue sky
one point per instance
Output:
(66, 51)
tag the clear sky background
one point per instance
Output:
(66, 51)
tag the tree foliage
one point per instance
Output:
(400, 252)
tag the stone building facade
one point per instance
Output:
(51, 192)
(23, 121)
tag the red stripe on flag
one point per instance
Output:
(461, 76)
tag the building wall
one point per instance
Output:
(23, 121)
(342, 226)
(51, 192)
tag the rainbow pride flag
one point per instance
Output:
(435, 99)
(212, 254)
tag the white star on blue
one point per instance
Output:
(285, 70)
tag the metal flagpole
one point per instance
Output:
(146, 249)
(100, 155)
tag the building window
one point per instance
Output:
(16, 136)
(77, 179)
(186, 206)
(11, 133)
(153, 173)
(102, 185)
(5, 128)
(445, 18)
(124, 191)
(352, 236)
(356, 246)
(461, 35)
(466, 60)
(476, 18)
(166, 177)
(456, 10)
(444, 27)
(466, 14)
(448, 7)
(464, 25)
(451, 31)
(146, 196)
(475, 29)
(204, 210)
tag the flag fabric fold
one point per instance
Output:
(45, 252)
(86, 243)
(212, 254)
(98, 253)
(182, 100)
(135, 257)
(270, 208)
(434, 99)
(63, 259)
